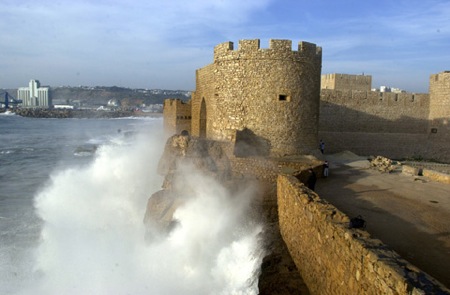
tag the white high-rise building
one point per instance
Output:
(34, 96)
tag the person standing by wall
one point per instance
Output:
(325, 169)
(321, 146)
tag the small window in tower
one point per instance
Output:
(284, 97)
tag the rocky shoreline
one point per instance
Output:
(278, 274)
(77, 113)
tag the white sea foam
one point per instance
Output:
(92, 241)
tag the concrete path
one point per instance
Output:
(408, 213)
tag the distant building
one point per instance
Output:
(34, 96)
(391, 89)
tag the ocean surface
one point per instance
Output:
(73, 194)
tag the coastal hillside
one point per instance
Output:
(84, 96)
(99, 95)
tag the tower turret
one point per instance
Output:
(270, 93)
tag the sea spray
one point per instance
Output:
(92, 240)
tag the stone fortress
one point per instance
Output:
(275, 94)
(260, 113)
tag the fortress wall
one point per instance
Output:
(370, 111)
(177, 116)
(267, 170)
(333, 259)
(270, 91)
(204, 91)
(391, 145)
(393, 125)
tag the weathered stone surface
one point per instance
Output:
(342, 261)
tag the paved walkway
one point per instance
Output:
(408, 213)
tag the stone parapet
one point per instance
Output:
(333, 259)
(436, 176)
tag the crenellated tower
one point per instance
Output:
(438, 146)
(269, 94)
(440, 102)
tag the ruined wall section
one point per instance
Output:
(274, 92)
(333, 259)
(346, 82)
(177, 116)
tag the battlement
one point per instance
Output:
(346, 82)
(335, 76)
(173, 102)
(252, 49)
(374, 98)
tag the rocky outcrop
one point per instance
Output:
(279, 274)
(181, 152)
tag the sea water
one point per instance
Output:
(73, 194)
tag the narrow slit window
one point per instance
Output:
(284, 97)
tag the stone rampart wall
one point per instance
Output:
(370, 111)
(268, 170)
(395, 125)
(177, 116)
(397, 146)
(391, 145)
(333, 259)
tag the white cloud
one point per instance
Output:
(149, 43)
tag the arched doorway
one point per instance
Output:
(203, 118)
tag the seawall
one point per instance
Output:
(78, 113)
(333, 259)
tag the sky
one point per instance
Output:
(159, 44)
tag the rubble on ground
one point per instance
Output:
(382, 164)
